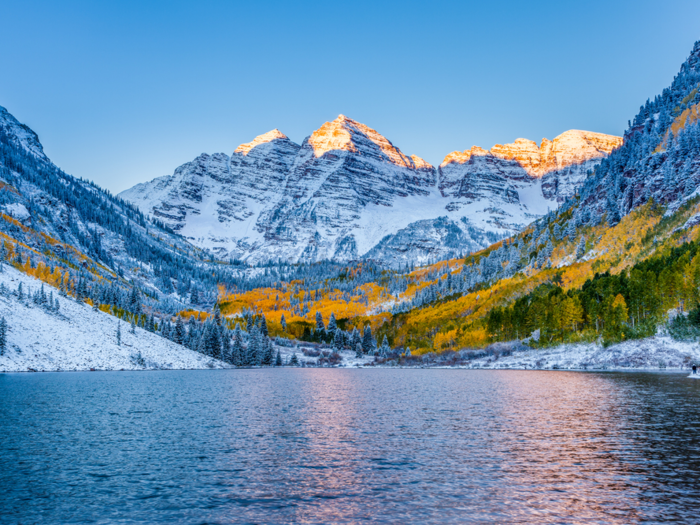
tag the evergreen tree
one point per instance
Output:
(367, 340)
(119, 332)
(3, 335)
(263, 327)
(385, 347)
(408, 351)
(238, 351)
(294, 361)
(191, 341)
(283, 321)
(267, 352)
(355, 338)
(20, 292)
(332, 325)
(278, 358)
(133, 326)
(226, 346)
(179, 335)
(253, 348)
(581, 248)
(358, 351)
(320, 327)
(337, 339)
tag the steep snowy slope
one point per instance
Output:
(347, 192)
(78, 337)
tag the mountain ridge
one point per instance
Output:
(347, 188)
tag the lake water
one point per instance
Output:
(343, 446)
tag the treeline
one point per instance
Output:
(628, 305)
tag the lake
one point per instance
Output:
(345, 446)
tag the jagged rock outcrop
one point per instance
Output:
(215, 200)
(347, 187)
(557, 167)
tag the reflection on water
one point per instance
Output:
(338, 446)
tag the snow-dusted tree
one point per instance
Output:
(332, 325)
(119, 332)
(367, 341)
(294, 361)
(358, 351)
(581, 248)
(355, 338)
(338, 339)
(238, 351)
(385, 349)
(253, 349)
(179, 335)
(407, 353)
(263, 327)
(226, 346)
(3, 335)
(320, 327)
(278, 358)
(283, 322)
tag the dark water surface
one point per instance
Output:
(342, 446)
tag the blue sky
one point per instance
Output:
(121, 92)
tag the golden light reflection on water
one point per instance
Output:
(325, 446)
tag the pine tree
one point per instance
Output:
(338, 340)
(283, 322)
(179, 335)
(133, 326)
(226, 346)
(238, 351)
(332, 325)
(355, 338)
(367, 340)
(408, 351)
(3, 335)
(581, 248)
(268, 352)
(263, 327)
(119, 332)
(294, 361)
(253, 347)
(358, 351)
(320, 327)
(20, 292)
(385, 347)
(278, 358)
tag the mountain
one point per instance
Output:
(347, 193)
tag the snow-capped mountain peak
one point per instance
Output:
(260, 139)
(346, 134)
(348, 192)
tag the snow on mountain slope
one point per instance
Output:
(215, 200)
(21, 134)
(348, 192)
(79, 338)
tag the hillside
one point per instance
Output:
(77, 337)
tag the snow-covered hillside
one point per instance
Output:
(77, 337)
(653, 353)
(347, 192)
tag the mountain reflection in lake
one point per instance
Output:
(340, 446)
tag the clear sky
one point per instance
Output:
(122, 92)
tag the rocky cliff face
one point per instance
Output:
(348, 192)
(560, 165)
